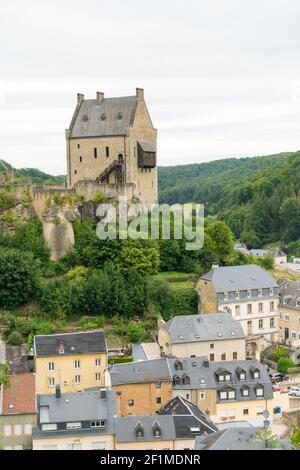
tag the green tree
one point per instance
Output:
(134, 332)
(295, 437)
(15, 339)
(18, 278)
(283, 364)
(222, 239)
(4, 377)
(267, 262)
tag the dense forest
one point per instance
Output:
(257, 197)
(33, 174)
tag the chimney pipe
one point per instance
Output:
(140, 93)
(80, 98)
(99, 96)
(57, 391)
(214, 265)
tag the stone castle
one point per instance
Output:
(112, 141)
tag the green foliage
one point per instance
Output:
(267, 262)
(7, 198)
(91, 323)
(135, 332)
(120, 360)
(277, 354)
(99, 197)
(4, 377)
(18, 277)
(270, 440)
(295, 437)
(283, 364)
(14, 339)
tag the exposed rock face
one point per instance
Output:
(21, 213)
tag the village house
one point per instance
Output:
(289, 312)
(250, 295)
(75, 421)
(175, 428)
(143, 387)
(219, 336)
(112, 141)
(227, 391)
(278, 254)
(75, 361)
(17, 412)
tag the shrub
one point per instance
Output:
(15, 339)
(277, 354)
(283, 364)
(134, 332)
(119, 360)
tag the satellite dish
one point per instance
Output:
(266, 424)
(266, 414)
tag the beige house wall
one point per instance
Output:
(293, 324)
(146, 445)
(64, 372)
(62, 442)
(144, 396)
(205, 399)
(236, 411)
(207, 297)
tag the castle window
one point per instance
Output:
(95, 152)
(75, 171)
(107, 151)
(78, 146)
(80, 159)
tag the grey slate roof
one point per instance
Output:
(230, 439)
(88, 122)
(194, 328)
(202, 377)
(147, 146)
(289, 294)
(231, 278)
(255, 252)
(125, 428)
(89, 342)
(154, 370)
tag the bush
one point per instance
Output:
(7, 199)
(134, 332)
(119, 360)
(283, 364)
(15, 339)
(277, 354)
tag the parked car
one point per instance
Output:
(294, 391)
(278, 377)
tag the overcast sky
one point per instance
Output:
(221, 77)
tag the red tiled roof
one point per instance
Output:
(20, 394)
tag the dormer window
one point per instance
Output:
(249, 293)
(139, 430)
(156, 430)
(271, 291)
(298, 302)
(245, 391)
(178, 365)
(259, 390)
(237, 295)
(255, 372)
(225, 295)
(260, 292)
(227, 393)
(223, 375)
(176, 380)
(241, 373)
(186, 380)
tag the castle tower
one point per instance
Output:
(113, 141)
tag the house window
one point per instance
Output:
(260, 324)
(50, 365)
(249, 293)
(95, 152)
(202, 395)
(50, 447)
(223, 357)
(158, 400)
(139, 431)
(77, 364)
(130, 402)
(98, 362)
(223, 395)
(211, 357)
(107, 151)
(242, 375)
(249, 309)
(75, 171)
(97, 424)
(272, 322)
(98, 445)
(287, 317)
(8, 430)
(259, 410)
(259, 292)
(75, 425)
(221, 378)
(158, 385)
(227, 377)
(272, 306)
(234, 355)
(237, 310)
(259, 392)
(271, 291)
(78, 146)
(223, 414)
(237, 295)
(256, 374)
(98, 377)
(187, 396)
(225, 295)
(231, 394)
(260, 307)
(245, 411)
(212, 345)
(49, 427)
(245, 392)
(77, 379)
(51, 381)
(231, 413)
(80, 159)
(28, 429)
(74, 446)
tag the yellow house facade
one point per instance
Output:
(75, 361)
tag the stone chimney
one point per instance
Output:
(214, 265)
(61, 348)
(99, 96)
(140, 93)
(80, 98)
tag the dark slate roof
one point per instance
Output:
(194, 328)
(289, 294)
(189, 420)
(147, 146)
(17, 359)
(126, 428)
(202, 377)
(230, 439)
(232, 278)
(117, 114)
(152, 370)
(89, 342)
